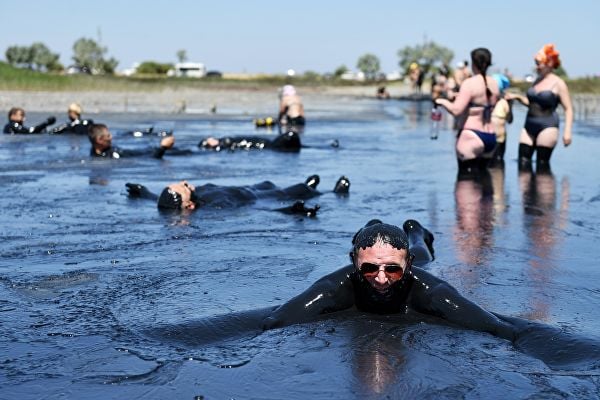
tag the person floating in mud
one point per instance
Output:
(101, 140)
(184, 196)
(286, 142)
(75, 124)
(385, 277)
(16, 121)
(291, 109)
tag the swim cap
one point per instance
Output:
(169, 199)
(288, 90)
(376, 231)
(76, 108)
(503, 82)
(549, 56)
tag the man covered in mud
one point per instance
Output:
(16, 121)
(288, 142)
(184, 196)
(101, 140)
(384, 278)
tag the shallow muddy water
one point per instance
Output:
(85, 271)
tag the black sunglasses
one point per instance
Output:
(394, 270)
(369, 269)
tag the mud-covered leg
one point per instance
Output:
(420, 242)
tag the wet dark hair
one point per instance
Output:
(482, 59)
(376, 231)
(170, 199)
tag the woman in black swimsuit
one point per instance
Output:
(541, 124)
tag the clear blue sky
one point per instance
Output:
(272, 36)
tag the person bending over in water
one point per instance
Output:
(16, 119)
(184, 196)
(75, 125)
(285, 142)
(101, 140)
(541, 123)
(474, 103)
(291, 109)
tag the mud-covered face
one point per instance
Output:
(185, 190)
(381, 265)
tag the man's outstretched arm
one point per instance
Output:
(434, 296)
(135, 190)
(331, 293)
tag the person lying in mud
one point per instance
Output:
(184, 196)
(385, 277)
(285, 142)
(101, 140)
(16, 121)
(76, 125)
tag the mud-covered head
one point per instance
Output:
(178, 196)
(375, 231)
(382, 275)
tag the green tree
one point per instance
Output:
(37, 55)
(89, 57)
(182, 56)
(369, 65)
(339, 71)
(312, 76)
(153, 67)
(19, 56)
(426, 55)
(43, 58)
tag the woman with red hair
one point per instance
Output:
(541, 124)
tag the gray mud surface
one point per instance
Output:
(85, 271)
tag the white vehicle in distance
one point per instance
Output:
(188, 70)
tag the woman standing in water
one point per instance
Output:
(541, 124)
(291, 109)
(473, 106)
(501, 115)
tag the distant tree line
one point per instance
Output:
(88, 57)
(35, 57)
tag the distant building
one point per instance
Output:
(393, 76)
(353, 76)
(188, 69)
(130, 71)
